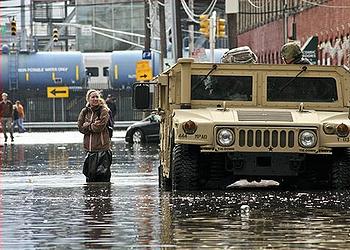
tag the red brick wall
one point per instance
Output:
(325, 22)
(264, 40)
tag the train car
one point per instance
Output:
(42, 69)
(122, 71)
(97, 69)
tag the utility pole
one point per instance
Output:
(285, 22)
(176, 30)
(23, 28)
(162, 32)
(147, 28)
(191, 31)
(232, 9)
(66, 28)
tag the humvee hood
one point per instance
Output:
(261, 116)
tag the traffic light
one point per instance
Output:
(13, 27)
(55, 35)
(204, 25)
(220, 27)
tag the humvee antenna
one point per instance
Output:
(214, 67)
(304, 68)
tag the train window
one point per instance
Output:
(92, 71)
(105, 71)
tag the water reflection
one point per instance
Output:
(14, 154)
(257, 219)
(46, 204)
(98, 215)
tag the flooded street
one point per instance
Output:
(46, 204)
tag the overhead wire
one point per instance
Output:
(209, 10)
(161, 4)
(255, 6)
(188, 13)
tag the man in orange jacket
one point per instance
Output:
(19, 122)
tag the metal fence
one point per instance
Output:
(39, 108)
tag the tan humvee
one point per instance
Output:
(225, 122)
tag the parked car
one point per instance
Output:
(146, 130)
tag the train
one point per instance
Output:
(117, 69)
(108, 70)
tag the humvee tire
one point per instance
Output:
(340, 173)
(185, 167)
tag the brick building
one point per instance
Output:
(265, 25)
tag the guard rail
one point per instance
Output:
(119, 125)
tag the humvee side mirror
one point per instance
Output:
(141, 96)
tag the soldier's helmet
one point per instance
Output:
(291, 51)
(239, 55)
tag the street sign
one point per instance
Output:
(146, 54)
(309, 49)
(57, 92)
(143, 71)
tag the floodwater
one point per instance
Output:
(46, 204)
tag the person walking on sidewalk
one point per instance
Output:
(111, 103)
(20, 116)
(6, 114)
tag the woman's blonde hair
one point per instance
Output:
(100, 98)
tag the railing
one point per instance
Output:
(120, 125)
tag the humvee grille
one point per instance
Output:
(282, 116)
(275, 138)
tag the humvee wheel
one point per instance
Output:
(185, 167)
(340, 173)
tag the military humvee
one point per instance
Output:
(225, 122)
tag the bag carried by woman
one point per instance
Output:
(92, 122)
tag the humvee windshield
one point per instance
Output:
(228, 88)
(301, 89)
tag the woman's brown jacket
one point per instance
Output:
(92, 122)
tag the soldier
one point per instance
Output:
(291, 54)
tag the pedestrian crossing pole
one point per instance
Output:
(212, 35)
